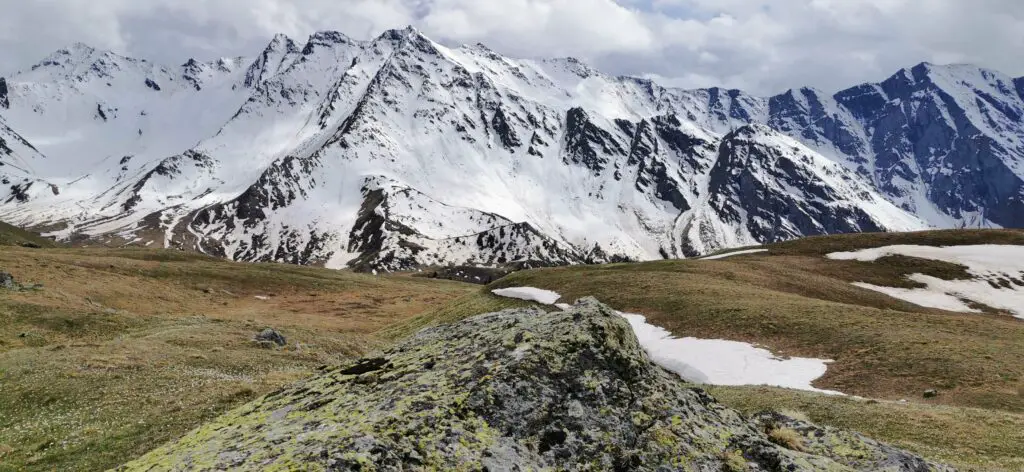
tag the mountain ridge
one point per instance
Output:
(267, 158)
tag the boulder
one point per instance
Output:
(7, 281)
(271, 335)
(521, 389)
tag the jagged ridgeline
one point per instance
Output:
(521, 389)
(398, 153)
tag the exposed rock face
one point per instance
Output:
(4, 101)
(398, 229)
(750, 171)
(584, 140)
(516, 390)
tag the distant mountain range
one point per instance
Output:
(399, 153)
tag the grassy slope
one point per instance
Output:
(798, 303)
(126, 349)
(14, 236)
(794, 301)
(973, 439)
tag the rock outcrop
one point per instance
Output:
(520, 389)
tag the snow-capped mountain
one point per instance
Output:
(399, 152)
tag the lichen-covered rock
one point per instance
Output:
(511, 391)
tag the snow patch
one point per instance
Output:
(998, 272)
(721, 362)
(546, 297)
(921, 296)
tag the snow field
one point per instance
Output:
(998, 272)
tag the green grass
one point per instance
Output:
(796, 302)
(124, 350)
(91, 398)
(804, 305)
(473, 303)
(970, 438)
(821, 245)
(13, 236)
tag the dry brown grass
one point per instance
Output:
(126, 349)
(787, 438)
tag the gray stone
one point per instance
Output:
(7, 281)
(271, 335)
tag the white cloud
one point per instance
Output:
(763, 46)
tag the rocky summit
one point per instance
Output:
(520, 389)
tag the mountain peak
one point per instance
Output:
(80, 47)
(408, 33)
(280, 38)
(409, 37)
(280, 42)
(330, 36)
(66, 54)
(628, 146)
(924, 70)
(82, 60)
(327, 39)
(574, 66)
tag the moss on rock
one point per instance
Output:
(520, 389)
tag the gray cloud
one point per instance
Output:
(758, 45)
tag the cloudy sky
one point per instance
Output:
(759, 45)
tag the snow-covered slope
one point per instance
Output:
(997, 276)
(400, 152)
(18, 160)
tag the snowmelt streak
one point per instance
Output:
(730, 254)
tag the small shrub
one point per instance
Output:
(787, 438)
(243, 392)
